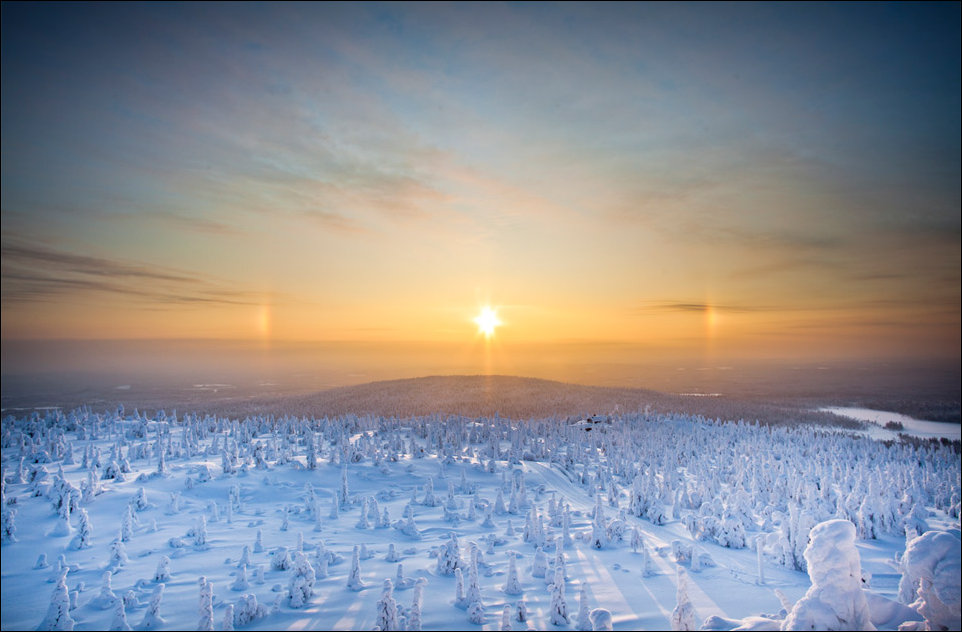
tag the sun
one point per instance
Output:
(487, 320)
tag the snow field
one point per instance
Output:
(668, 490)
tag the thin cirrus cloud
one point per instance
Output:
(39, 273)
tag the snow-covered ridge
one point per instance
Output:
(510, 396)
(168, 521)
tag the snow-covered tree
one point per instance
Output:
(449, 558)
(354, 579)
(512, 586)
(683, 616)
(107, 597)
(162, 574)
(414, 612)
(118, 553)
(459, 600)
(473, 596)
(387, 611)
(599, 527)
(476, 612)
(152, 619)
(200, 532)
(127, 525)
(539, 568)
(206, 605)
(281, 559)
(9, 524)
(248, 610)
(584, 622)
(58, 612)
(300, 587)
(506, 618)
(240, 583)
(835, 600)
(140, 500)
(119, 620)
(228, 621)
(521, 611)
(83, 537)
(559, 605)
(930, 579)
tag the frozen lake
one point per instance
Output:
(915, 427)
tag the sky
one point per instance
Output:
(726, 180)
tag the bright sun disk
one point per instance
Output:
(487, 320)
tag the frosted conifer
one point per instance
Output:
(206, 605)
(107, 596)
(683, 616)
(82, 539)
(58, 613)
(414, 614)
(354, 579)
(391, 553)
(506, 618)
(584, 622)
(228, 623)
(300, 588)
(119, 620)
(539, 567)
(513, 585)
(9, 527)
(387, 618)
(152, 619)
(459, 600)
(118, 553)
(200, 533)
(240, 581)
(473, 596)
(245, 558)
(559, 605)
(280, 559)
(162, 574)
(127, 525)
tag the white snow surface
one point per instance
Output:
(912, 426)
(252, 476)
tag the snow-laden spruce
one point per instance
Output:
(835, 600)
(931, 571)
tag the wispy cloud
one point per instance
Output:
(700, 307)
(195, 224)
(33, 272)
